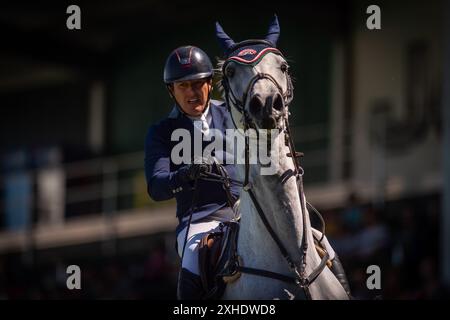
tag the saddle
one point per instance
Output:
(218, 259)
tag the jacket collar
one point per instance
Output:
(174, 113)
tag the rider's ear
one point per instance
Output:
(210, 83)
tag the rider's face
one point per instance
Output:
(192, 95)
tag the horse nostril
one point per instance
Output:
(278, 103)
(256, 105)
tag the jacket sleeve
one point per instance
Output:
(162, 184)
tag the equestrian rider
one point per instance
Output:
(201, 205)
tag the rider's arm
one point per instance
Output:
(162, 184)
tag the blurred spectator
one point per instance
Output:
(373, 237)
(352, 216)
(50, 186)
(332, 223)
(407, 242)
(428, 279)
(391, 286)
(405, 247)
(18, 190)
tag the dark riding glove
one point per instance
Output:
(193, 171)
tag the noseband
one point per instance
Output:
(239, 104)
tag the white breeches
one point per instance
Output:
(197, 231)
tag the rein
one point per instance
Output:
(300, 279)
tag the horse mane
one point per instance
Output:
(219, 75)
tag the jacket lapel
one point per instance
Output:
(218, 117)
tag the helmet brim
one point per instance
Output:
(189, 77)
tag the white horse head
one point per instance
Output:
(256, 78)
(258, 90)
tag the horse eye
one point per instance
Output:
(284, 67)
(229, 72)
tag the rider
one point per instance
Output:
(188, 76)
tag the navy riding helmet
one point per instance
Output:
(187, 63)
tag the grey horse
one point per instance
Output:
(258, 90)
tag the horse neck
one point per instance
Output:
(281, 205)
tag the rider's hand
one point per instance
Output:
(193, 171)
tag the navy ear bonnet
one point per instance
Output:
(249, 51)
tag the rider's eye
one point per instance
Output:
(284, 67)
(229, 72)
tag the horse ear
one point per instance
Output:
(274, 31)
(225, 41)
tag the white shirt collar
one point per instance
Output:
(203, 123)
(206, 116)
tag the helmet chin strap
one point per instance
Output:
(174, 99)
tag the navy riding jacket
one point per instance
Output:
(161, 172)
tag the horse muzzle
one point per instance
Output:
(268, 111)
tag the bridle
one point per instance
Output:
(239, 104)
(300, 278)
